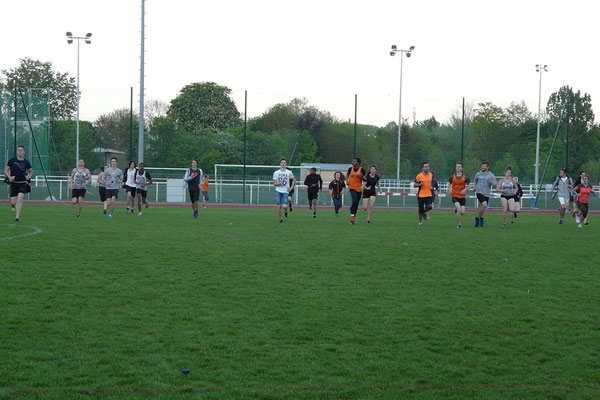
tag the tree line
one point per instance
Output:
(204, 122)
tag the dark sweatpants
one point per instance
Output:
(355, 201)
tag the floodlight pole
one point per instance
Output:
(539, 68)
(393, 53)
(70, 39)
(141, 123)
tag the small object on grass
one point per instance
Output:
(506, 260)
(186, 371)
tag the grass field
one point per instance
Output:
(92, 308)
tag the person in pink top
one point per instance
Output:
(582, 194)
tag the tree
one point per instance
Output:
(114, 130)
(584, 139)
(307, 151)
(154, 109)
(204, 106)
(60, 89)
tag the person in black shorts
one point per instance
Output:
(18, 170)
(142, 180)
(314, 184)
(193, 177)
(292, 184)
(369, 193)
(102, 186)
(80, 177)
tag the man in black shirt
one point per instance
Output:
(19, 172)
(314, 184)
(193, 177)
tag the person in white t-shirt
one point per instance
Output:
(129, 183)
(281, 180)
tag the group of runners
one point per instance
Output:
(358, 182)
(366, 185)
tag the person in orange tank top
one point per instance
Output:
(459, 184)
(356, 175)
(424, 193)
(205, 191)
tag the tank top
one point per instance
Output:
(458, 184)
(79, 179)
(355, 179)
(508, 185)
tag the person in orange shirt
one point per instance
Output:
(424, 193)
(205, 191)
(355, 177)
(459, 184)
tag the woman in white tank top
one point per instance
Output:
(507, 188)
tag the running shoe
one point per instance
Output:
(560, 221)
(578, 225)
(109, 216)
(458, 226)
(140, 213)
(481, 222)
(17, 220)
(104, 212)
(476, 222)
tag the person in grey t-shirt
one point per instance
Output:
(562, 187)
(482, 185)
(112, 178)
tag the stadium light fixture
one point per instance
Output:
(408, 54)
(87, 39)
(539, 68)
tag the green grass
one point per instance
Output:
(92, 308)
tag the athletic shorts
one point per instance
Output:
(313, 196)
(102, 192)
(205, 194)
(281, 198)
(460, 200)
(143, 193)
(130, 189)
(563, 200)
(18, 187)
(77, 193)
(194, 194)
(291, 193)
(483, 199)
(110, 193)
(369, 193)
(508, 197)
(425, 204)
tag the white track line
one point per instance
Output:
(36, 231)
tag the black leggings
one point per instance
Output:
(355, 201)
(584, 208)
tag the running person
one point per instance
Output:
(204, 191)
(112, 177)
(355, 177)
(582, 195)
(281, 180)
(129, 184)
(369, 193)
(336, 190)
(102, 186)
(517, 208)
(562, 189)
(18, 170)
(482, 185)
(314, 184)
(291, 193)
(142, 180)
(507, 187)
(573, 200)
(80, 177)
(424, 191)
(459, 184)
(193, 177)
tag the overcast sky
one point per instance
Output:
(325, 51)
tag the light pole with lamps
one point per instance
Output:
(539, 68)
(408, 54)
(88, 40)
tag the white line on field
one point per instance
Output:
(36, 231)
